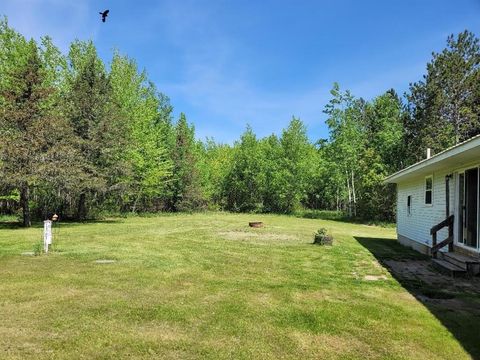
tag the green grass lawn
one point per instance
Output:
(207, 286)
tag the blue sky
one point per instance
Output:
(229, 63)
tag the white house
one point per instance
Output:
(442, 191)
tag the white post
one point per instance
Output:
(47, 234)
(429, 153)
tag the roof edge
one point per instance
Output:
(444, 154)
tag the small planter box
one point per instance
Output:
(322, 237)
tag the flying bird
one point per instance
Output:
(104, 15)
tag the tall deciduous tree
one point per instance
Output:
(273, 194)
(245, 182)
(214, 164)
(143, 110)
(296, 165)
(346, 121)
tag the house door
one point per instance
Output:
(468, 208)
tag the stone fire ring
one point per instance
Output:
(255, 224)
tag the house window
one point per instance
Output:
(428, 190)
(409, 204)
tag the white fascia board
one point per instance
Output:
(465, 151)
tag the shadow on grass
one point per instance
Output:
(9, 225)
(456, 307)
(12, 225)
(340, 216)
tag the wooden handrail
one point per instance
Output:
(445, 242)
(448, 241)
(441, 225)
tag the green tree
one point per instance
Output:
(296, 165)
(273, 190)
(346, 122)
(244, 184)
(214, 164)
(445, 106)
(31, 129)
(143, 110)
(384, 154)
(97, 123)
(185, 184)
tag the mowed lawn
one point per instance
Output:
(208, 286)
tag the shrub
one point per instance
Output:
(38, 248)
(322, 237)
(322, 214)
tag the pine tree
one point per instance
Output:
(31, 129)
(445, 106)
(186, 192)
(97, 123)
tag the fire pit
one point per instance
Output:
(255, 224)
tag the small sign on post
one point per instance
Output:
(47, 234)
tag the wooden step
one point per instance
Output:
(448, 268)
(454, 259)
(469, 263)
(460, 260)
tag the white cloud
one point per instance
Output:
(216, 79)
(238, 102)
(213, 78)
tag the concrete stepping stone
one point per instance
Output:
(375, 277)
(104, 261)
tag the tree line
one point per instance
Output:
(82, 137)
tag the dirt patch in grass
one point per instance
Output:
(324, 295)
(249, 236)
(375, 277)
(160, 332)
(436, 289)
(330, 345)
(420, 272)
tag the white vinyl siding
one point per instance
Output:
(416, 225)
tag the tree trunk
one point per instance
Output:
(135, 203)
(354, 196)
(349, 197)
(81, 209)
(338, 200)
(24, 198)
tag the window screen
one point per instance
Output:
(428, 190)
